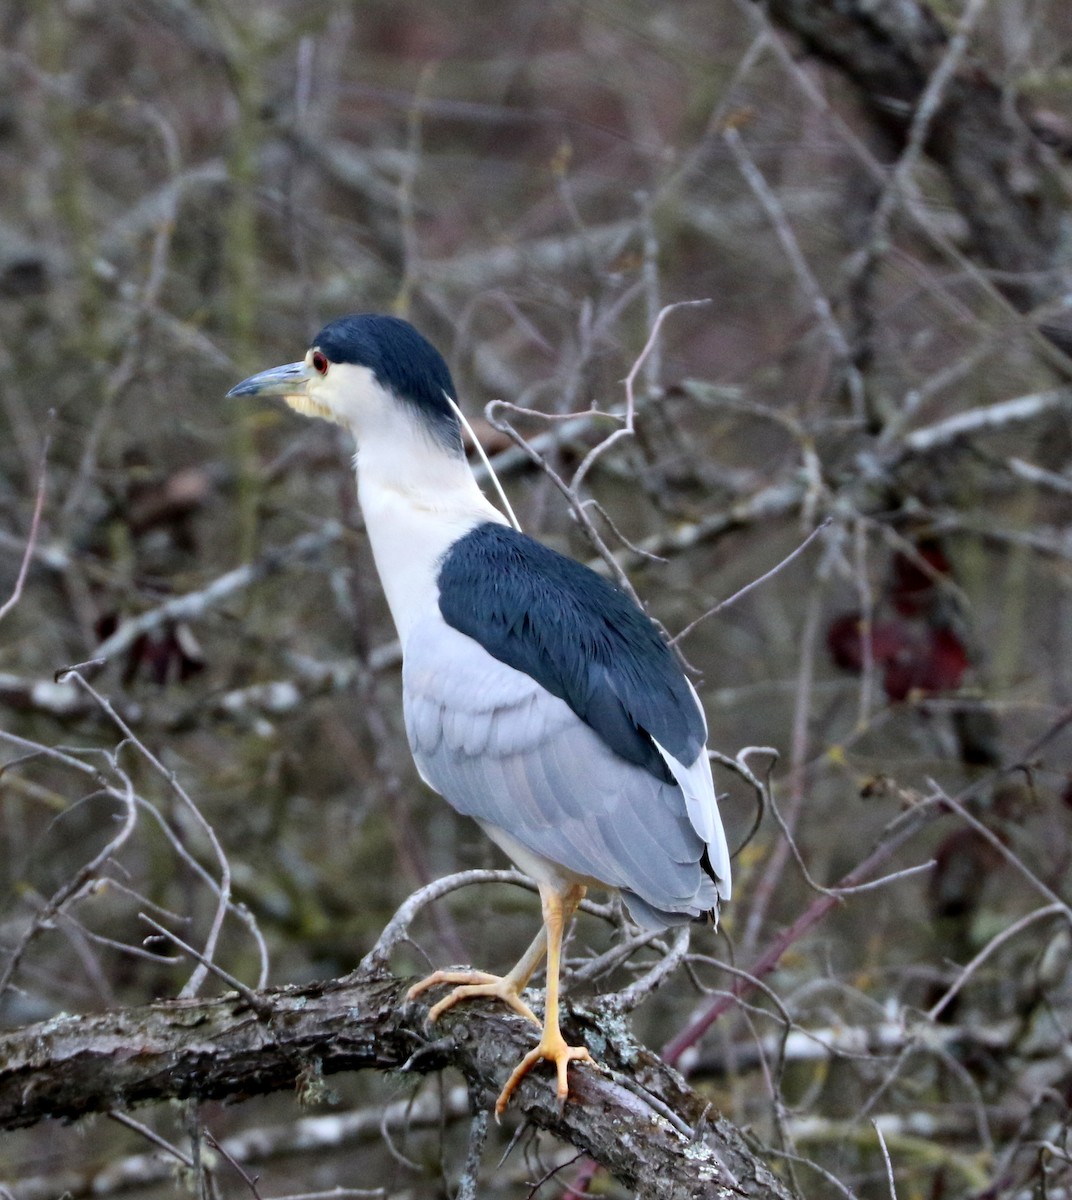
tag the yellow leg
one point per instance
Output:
(558, 908)
(507, 988)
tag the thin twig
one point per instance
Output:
(739, 766)
(224, 897)
(194, 605)
(898, 184)
(35, 525)
(1013, 859)
(251, 998)
(803, 699)
(995, 943)
(630, 997)
(886, 1159)
(77, 882)
(768, 960)
(748, 587)
(820, 304)
(606, 558)
(397, 929)
(988, 418)
(150, 1135)
(469, 1184)
(627, 429)
(620, 952)
(249, 1180)
(156, 275)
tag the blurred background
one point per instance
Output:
(872, 201)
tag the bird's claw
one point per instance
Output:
(472, 985)
(553, 1047)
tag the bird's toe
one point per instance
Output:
(554, 1048)
(472, 985)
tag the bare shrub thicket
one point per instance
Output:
(205, 793)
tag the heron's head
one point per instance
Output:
(368, 373)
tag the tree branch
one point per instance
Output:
(70, 1067)
(1009, 196)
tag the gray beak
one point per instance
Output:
(289, 381)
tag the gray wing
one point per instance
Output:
(500, 748)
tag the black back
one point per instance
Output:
(579, 636)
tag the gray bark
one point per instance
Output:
(638, 1118)
(998, 174)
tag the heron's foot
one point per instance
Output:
(554, 1047)
(472, 985)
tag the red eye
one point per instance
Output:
(320, 363)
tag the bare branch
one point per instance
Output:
(990, 418)
(627, 429)
(195, 605)
(224, 887)
(84, 876)
(1051, 910)
(757, 582)
(809, 285)
(214, 1049)
(31, 537)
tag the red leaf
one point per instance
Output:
(929, 661)
(913, 586)
(845, 640)
(914, 656)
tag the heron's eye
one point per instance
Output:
(320, 363)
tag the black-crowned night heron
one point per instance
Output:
(538, 698)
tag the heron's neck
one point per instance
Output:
(415, 507)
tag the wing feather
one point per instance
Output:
(583, 639)
(518, 759)
(586, 643)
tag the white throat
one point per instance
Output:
(417, 500)
(418, 496)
